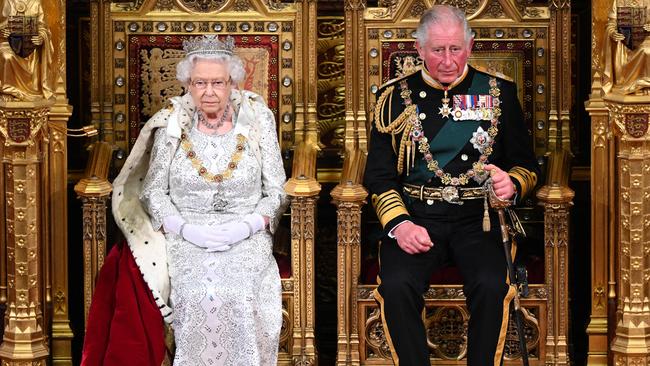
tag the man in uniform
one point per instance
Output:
(438, 135)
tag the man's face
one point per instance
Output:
(445, 51)
(210, 86)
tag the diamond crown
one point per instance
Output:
(209, 44)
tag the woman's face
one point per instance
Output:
(210, 86)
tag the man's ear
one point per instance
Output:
(471, 44)
(418, 48)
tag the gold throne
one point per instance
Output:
(514, 41)
(134, 66)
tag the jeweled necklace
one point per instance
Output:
(187, 145)
(219, 123)
(477, 171)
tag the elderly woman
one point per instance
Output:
(198, 199)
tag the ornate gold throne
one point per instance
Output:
(134, 68)
(521, 43)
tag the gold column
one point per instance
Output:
(602, 290)
(349, 196)
(311, 75)
(603, 218)
(306, 125)
(556, 198)
(303, 190)
(93, 190)
(57, 202)
(630, 116)
(560, 91)
(23, 129)
(355, 76)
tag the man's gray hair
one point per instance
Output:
(438, 14)
(233, 63)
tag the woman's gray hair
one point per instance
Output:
(438, 14)
(233, 62)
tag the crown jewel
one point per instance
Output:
(209, 44)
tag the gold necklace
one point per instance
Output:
(187, 145)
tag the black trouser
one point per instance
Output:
(457, 234)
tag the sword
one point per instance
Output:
(520, 313)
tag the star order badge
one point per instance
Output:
(444, 110)
(480, 139)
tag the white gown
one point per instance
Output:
(227, 305)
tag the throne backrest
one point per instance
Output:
(146, 44)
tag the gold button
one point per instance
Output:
(423, 94)
(464, 157)
(423, 115)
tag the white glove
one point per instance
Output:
(232, 233)
(204, 236)
(173, 224)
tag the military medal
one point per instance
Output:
(444, 111)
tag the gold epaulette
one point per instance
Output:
(399, 78)
(397, 125)
(493, 73)
(400, 125)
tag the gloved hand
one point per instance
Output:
(232, 233)
(172, 224)
(204, 236)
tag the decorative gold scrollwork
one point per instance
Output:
(447, 331)
(202, 6)
(375, 337)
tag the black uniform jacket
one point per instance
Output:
(395, 159)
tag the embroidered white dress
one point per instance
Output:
(226, 305)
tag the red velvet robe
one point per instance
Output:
(124, 326)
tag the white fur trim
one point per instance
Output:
(148, 246)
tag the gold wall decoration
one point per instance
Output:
(203, 6)
(331, 88)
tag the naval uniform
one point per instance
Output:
(428, 145)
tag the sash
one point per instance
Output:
(453, 136)
(451, 139)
